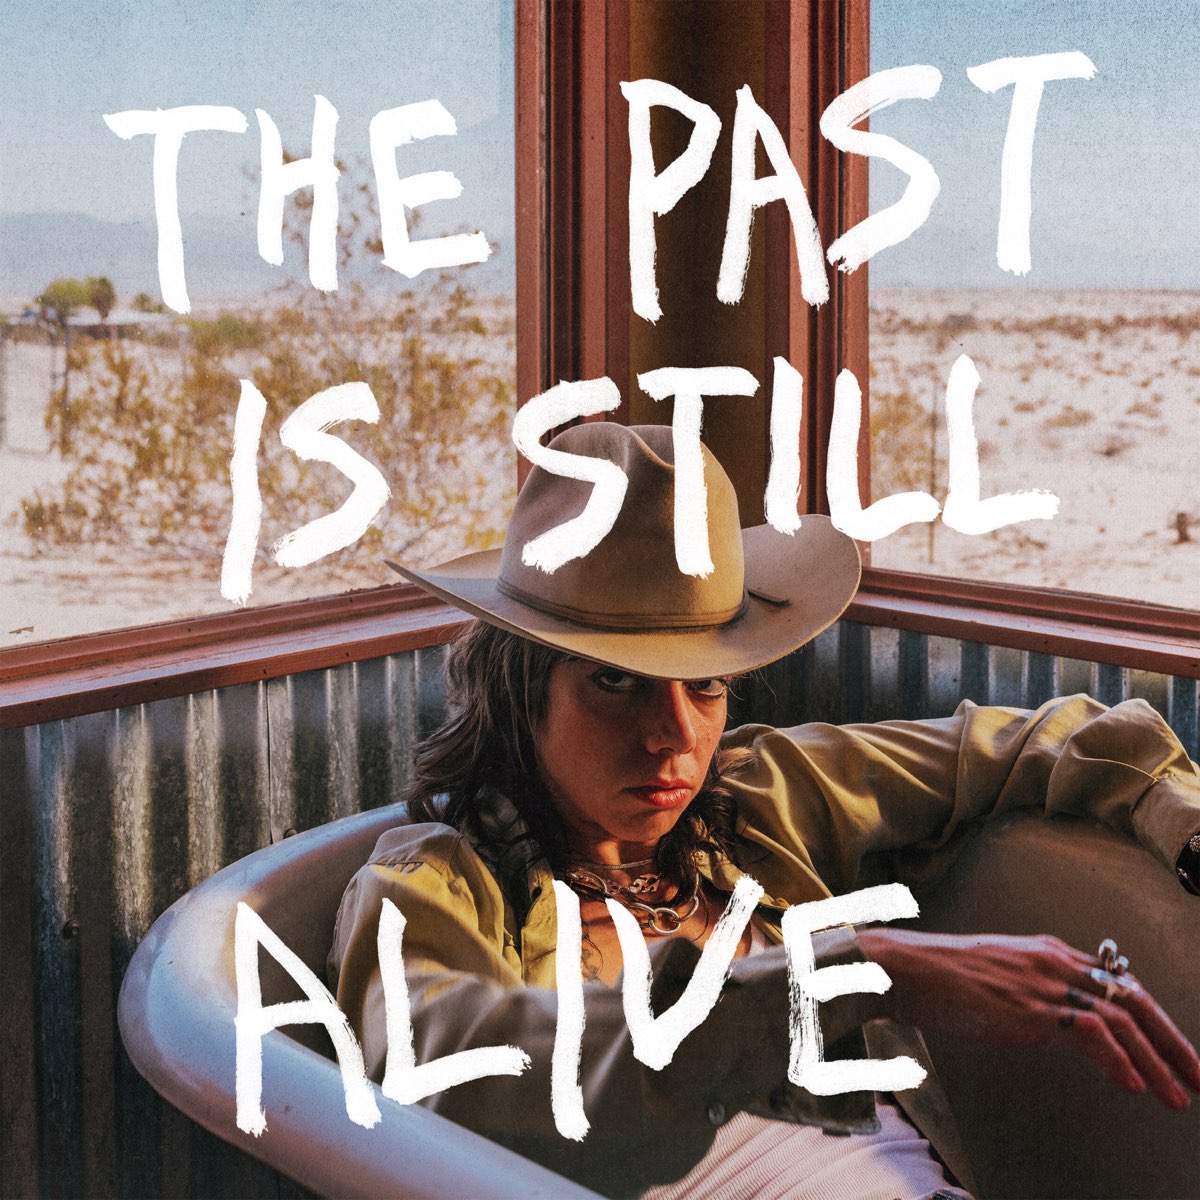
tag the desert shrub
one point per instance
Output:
(147, 445)
(1068, 417)
(901, 440)
(1143, 408)
(228, 332)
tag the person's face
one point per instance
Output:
(624, 755)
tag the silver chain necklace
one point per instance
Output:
(659, 919)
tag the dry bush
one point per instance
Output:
(1145, 408)
(1068, 417)
(900, 444)
(148, 452)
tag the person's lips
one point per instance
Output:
(664, 793)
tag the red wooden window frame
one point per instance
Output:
(813, 50)
(573, 323)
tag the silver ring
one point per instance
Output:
(1111, 983)
(1112, 961)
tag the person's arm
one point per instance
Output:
(845, 792)
(1027, 991)
(466, 990)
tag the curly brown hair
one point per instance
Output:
(497, 692)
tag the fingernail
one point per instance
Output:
(1179, 1098)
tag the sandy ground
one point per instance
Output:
(48, 591)
(60, 592)
(1094, 396)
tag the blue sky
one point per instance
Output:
(1116, 176)
(1117, 158)
(69, 63)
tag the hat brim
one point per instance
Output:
(811, 576)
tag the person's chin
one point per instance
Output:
(647, 824)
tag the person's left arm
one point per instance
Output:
(843, 792)
(835, 794)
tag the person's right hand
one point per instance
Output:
(1032, 991)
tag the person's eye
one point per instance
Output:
(710, 689)
(609, 679)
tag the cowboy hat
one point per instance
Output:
(626, 604)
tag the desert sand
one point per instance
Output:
(1094, 396)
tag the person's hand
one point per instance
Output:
(1031, 991)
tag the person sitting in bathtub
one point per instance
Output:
(585, 743)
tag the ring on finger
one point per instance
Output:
(1111, 959)
(1111, 983)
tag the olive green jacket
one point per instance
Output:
(822, 810)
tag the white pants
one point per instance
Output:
(753, 1158)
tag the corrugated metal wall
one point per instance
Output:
(868, 673)
(108, 818)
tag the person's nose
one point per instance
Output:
(668, 720)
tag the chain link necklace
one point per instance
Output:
(659, 919)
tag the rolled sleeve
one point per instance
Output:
(846, 792)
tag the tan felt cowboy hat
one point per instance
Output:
(626, 603)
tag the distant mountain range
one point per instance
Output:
(939, 256)
(222, 262)
(220, 258)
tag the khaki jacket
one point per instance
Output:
(822, 810)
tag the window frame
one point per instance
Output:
(1102, 629)
(813, 51)
(69, 677)
(572, 161)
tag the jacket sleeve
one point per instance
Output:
(466, 990)
(849, 791)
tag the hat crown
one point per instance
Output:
(626, 603)
(631, 579)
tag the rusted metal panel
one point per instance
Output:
(824, 691)
(943, 674)
(910, 674)
(1111, 683)
(58, 1012)
(1006, 676)
(855, 680)
(1153, 688)
(1075, 676)
(878, 655)
(976, 662)
(108, 818)
(1041, 679)
(913, 690)
(18, 992)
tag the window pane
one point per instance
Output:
(118, 414)
(1090, 362)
